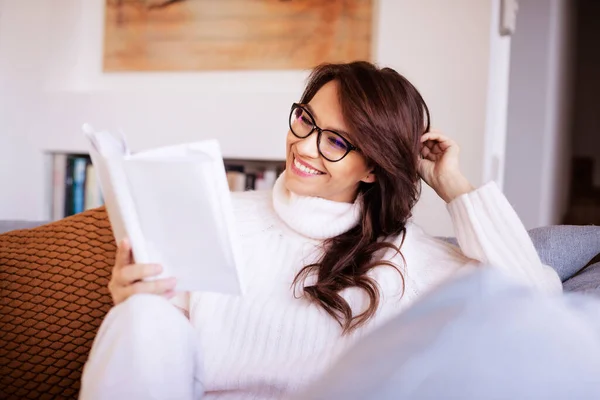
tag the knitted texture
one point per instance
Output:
(54, 296)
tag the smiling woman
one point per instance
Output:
(317, 156)
(330, 253)
(331, 144)
(373, 108)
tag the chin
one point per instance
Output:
(295, 185)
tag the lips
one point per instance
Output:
(305, 167)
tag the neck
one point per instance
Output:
(314, 217)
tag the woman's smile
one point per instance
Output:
(304, 169)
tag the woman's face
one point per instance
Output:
(337, 181)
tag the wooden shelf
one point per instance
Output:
(74, 187)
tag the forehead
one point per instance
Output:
(326, 107)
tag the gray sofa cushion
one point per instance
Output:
(588, 281)
(566, 248)
(7, 226)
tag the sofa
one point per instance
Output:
(54, 294)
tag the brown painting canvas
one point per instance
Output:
(193, 35)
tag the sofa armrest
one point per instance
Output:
(566, 248)
(7, 226)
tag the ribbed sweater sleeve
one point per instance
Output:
(488, 230)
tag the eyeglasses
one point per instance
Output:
(331, 145)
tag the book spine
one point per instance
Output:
(270, 176)
(250, 181)
(236, 178)
(93, 195)
(68, 204)
(59, 173)
(236, 181)
(266, 179)
(79, 167)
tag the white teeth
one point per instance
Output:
(304, 168)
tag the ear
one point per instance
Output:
(370, 178)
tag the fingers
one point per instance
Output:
(431, 148)
(428, 136)
(123, 256)
(160, 286)
(425, 151)
(128, 278)
(438, 137)
(128, 281)
(437, 143)
(164, 288)
(434, 131)
(135, 272)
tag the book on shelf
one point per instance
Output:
(74, 186)
(241, 177)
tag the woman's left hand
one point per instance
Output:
(439, 166)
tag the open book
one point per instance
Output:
(174, 205)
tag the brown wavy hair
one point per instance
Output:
(386, 116)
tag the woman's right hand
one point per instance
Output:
(127, 277)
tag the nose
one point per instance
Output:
(307, 147)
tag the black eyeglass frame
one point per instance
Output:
(315, 127)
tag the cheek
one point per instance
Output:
(352, 169)
(290, 140)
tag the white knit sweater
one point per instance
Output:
(270, 342)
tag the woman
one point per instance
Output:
(330, 253)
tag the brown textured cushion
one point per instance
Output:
(54, 296)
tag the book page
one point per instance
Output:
(107, 153)
(213, 173)
(222, 196)
(182, 223)
(174, 205)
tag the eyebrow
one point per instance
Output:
(345, 134)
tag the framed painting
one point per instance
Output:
(200, 35)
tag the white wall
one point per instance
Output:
(586, 127)
(538, 140)
(52, 82)
(20, 182)
(446, 48)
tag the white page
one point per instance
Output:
(174, 205)
(220, 195)
(107, 153)
(178, 222)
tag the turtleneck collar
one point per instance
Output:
(314, 217)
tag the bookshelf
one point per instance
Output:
(75, 188)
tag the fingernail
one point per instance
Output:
(171, 281)
(156, 268)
